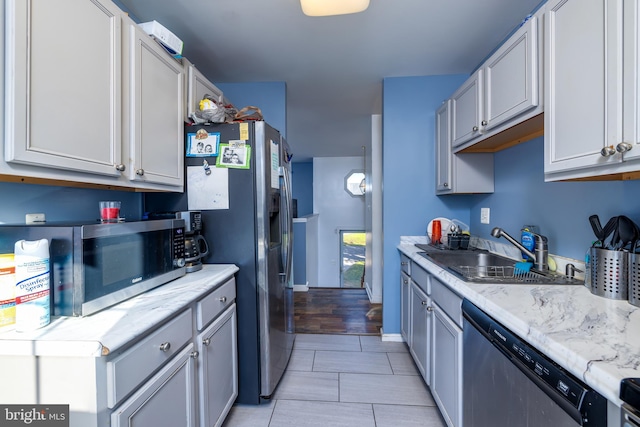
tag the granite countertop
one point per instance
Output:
(596, 339)
(104, 332)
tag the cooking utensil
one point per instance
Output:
(594, 220)
(628, 232)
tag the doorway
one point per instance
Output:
(352, 258)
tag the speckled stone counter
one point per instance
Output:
(596, 339)
(104, 332)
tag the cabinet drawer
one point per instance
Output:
(209, 307)
(421, 278)
(448, 301)
(405, 264)
(128, 370)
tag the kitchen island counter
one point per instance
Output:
(103, 333)
(594, 338)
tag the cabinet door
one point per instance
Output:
(218, 369)
(405, 308)
(583, 83)
(446, 376)
(631, 109)
(443, 148)
(466, 106)
(511, 77)
(167, 399)
(419, 331)
(63, 85)
(197, 88)
(155, 125)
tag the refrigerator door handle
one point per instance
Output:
(287, 248)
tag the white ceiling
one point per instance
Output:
(333, 66)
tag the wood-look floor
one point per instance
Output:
(336, 311)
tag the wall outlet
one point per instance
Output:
(485, 215)
(34, 218)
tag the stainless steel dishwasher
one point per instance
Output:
(506, 382)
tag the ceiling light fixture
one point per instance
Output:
(333, 7)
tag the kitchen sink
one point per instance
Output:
(478, 266)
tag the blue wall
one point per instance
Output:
(302, 178)
(408, 170)
(270, 97)
(61, 203)
(560, 209)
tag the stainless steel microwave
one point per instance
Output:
(94, 266)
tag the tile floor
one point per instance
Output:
(345, 380)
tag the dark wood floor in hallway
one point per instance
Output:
(336, 311)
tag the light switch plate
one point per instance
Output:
(34, 218)
(485, 215)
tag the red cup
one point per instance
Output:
(109, 211)
(436, 232)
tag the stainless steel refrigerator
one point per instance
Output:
(255, 233)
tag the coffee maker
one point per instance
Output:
(195, 246)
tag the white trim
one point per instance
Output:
(301, 288)
(390, 337)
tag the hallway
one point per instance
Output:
(345, 380)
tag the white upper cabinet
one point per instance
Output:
(63, 85)
(467, 109)
(459, 173)
(504, 92)
(630, 146)
(583, 85)
(511, 77)
(154, 120)
(90, 98)
(198, 86)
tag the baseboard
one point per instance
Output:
(301, 288)
(390, 337)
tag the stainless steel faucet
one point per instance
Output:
(541, 252)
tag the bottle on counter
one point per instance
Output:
(32, 284)
(528, 240)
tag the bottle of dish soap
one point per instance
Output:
(528, 240)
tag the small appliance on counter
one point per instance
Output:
(195, 245)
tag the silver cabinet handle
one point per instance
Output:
(206, 341)
(429, 309)
(222, 299)
(165, 346)
(623, 147)
(445, 185)
(607, 151)
(475, 128)
(484, 123)
(424, 303)
(405, 281)
(195, 354)
(140, 172)
(121, 167)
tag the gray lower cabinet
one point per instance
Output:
(218, 369)
(433, 324)
(420, 331)
(168, 399)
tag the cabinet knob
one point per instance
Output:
(623, 147)
(429, 309)
(222, 299)
(445, 185)
(195, 354)
(121, 167)
(206, 341)
(404, 263)
(607, 151)
(425, 303)
(484, 123)
(165, 346)
(475, 128)
(140, 172)
(405, 281)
